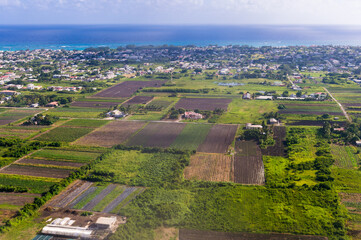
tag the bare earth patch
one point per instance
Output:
(210, 167)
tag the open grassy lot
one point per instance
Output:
(247, 111)
(191, 136)
(85, 123)
(142, 169)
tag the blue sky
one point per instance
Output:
(211, 12)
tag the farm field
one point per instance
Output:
(210, 167)
(76, 112)
(191, 136)
(71, 130)
(20, 131)
(36, 171)
(87, 196)
(157, 134)
(95, 104)
(77, 155)
(116, 132)
(33, 184)
(138, 100)
(248, 163)
(161, 103)
(203, 104)
(219, 138)
(314, 123)
(278, 149)
(41, 162)
(247, 111)
(14, 115)
(127, 89)
(345, 156)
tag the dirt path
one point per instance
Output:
(340, 105)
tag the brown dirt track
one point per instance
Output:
(36, 171)
(126, 89)
(91, 104)
(111, 134)
(157, 134)
(218, 139)
(50, 162)
(187, 234)
(204, 104)
(138, 100)
(248, 163)
(210, 167)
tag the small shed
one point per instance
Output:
(105, 222)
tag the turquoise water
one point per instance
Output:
(82, 36)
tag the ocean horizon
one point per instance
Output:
(79, 37)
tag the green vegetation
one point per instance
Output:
(246, 111)
(85, 123)
(63, 154)
(64, 134)
(33, 184)
(140, 169)
(191, 136)
(76, 112)
(345, 156)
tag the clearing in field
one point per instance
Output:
(219, 138)
(210, 167)
(111, 134)
(204, 104)
(248, 163)
(345, 156)
(157, 134)
(126, 89)
(191, 136)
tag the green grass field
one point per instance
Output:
(247, 111)
(76, 112)
(191, 136)
(90, 123)
(64, 134)
(142, 169)
(76, 156)
(34, 184)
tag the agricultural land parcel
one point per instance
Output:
(126, 89)
(71, 130)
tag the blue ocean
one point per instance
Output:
(82, 36)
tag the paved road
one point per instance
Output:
(340, 105)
